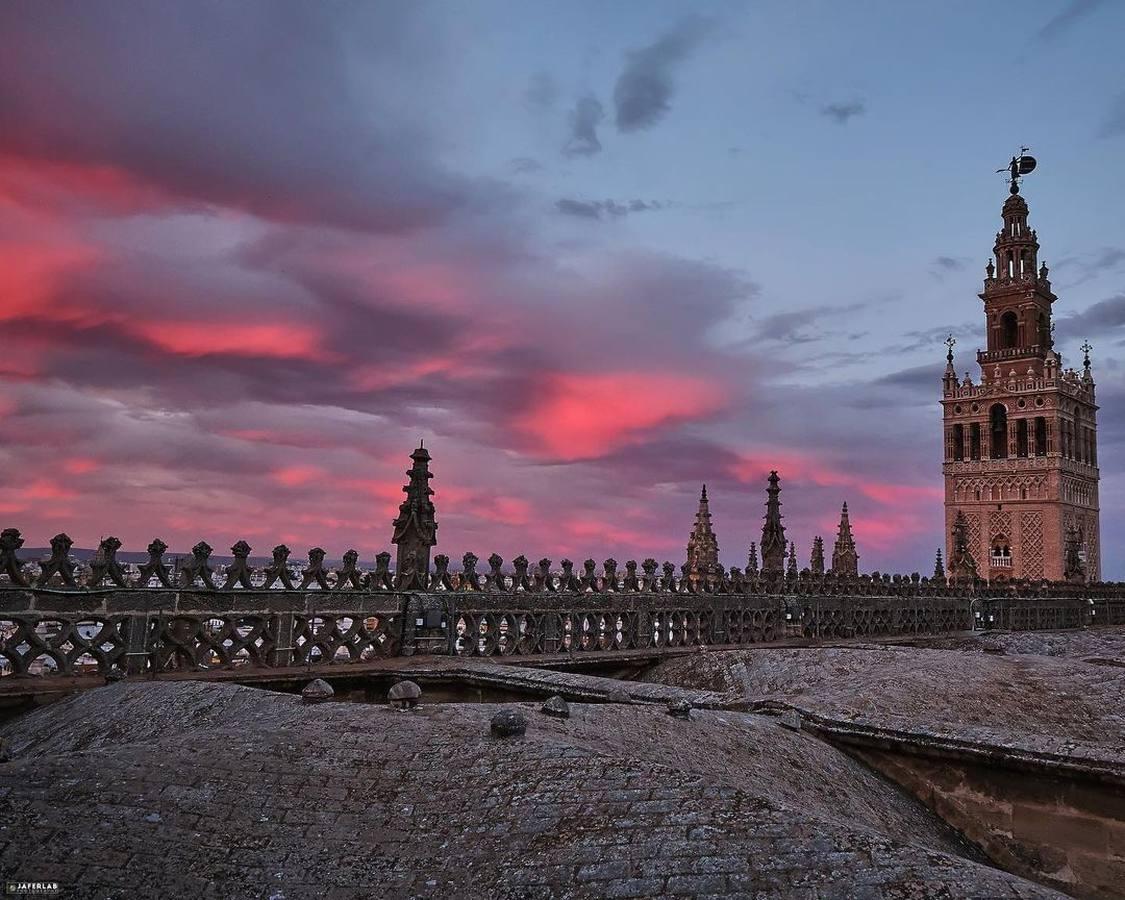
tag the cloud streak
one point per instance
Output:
(1064, 20)
(643, 93)
(843, 112)
(585, 118)
(602, 209)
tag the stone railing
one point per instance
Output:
(64, 618)
(45, 632)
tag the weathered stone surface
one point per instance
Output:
(679, 709)
(556, 706)
(272, 798)
(508, 723)
(618, 695)
(404, 694)
(317, 691)
(1051, 705)
(791, 720)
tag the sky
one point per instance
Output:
(593, 254)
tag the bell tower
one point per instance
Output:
(1021, 476)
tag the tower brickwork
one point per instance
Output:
(1021, 460)
(703, 546)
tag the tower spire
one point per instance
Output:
(816, 561)
(773, 532)
(1017, 295)
(703, 546)
(415, 528)
(949, 380)
(791, 566)
(962, 565)
(845, 560)
(752, 560)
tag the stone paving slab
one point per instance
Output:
(207, 790)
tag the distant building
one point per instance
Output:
(1021, 458)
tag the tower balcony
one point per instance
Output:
(1035, 351)
(1021, 279)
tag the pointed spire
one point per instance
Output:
(1074, 567)
(816, 561)
(939, 567)
(962, 565)
(752, 562)
(845, 559)
(791, 566)
(1086, 348)
(949, 379)
(703, 546)
(773, 532)
(415, 528)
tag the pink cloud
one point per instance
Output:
(46, 489)
(38, 184)
(577, 416)
(80, 465)
(215, 338)
(291, 476)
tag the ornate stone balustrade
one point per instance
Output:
(58, 617)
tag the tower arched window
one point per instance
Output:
(958, 447)
(1021, 437)
(998, 416)
(1040, 436)
(1009, 330)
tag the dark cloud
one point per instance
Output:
(921, 379)
(643, 93)
(947, 265)
(525, 165)
(585, 118)
(788, 327)
(932, 338)
(1090, 266)
(165, 94)
(1114, 124)
(1105, 315)
(599, 209)
(1064, 20)
(842, 112)
(800, 326)
(542, 92)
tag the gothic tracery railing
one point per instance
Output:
(62, 616)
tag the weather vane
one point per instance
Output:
(1018, 167)
(1086, 348)
(949, 342)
